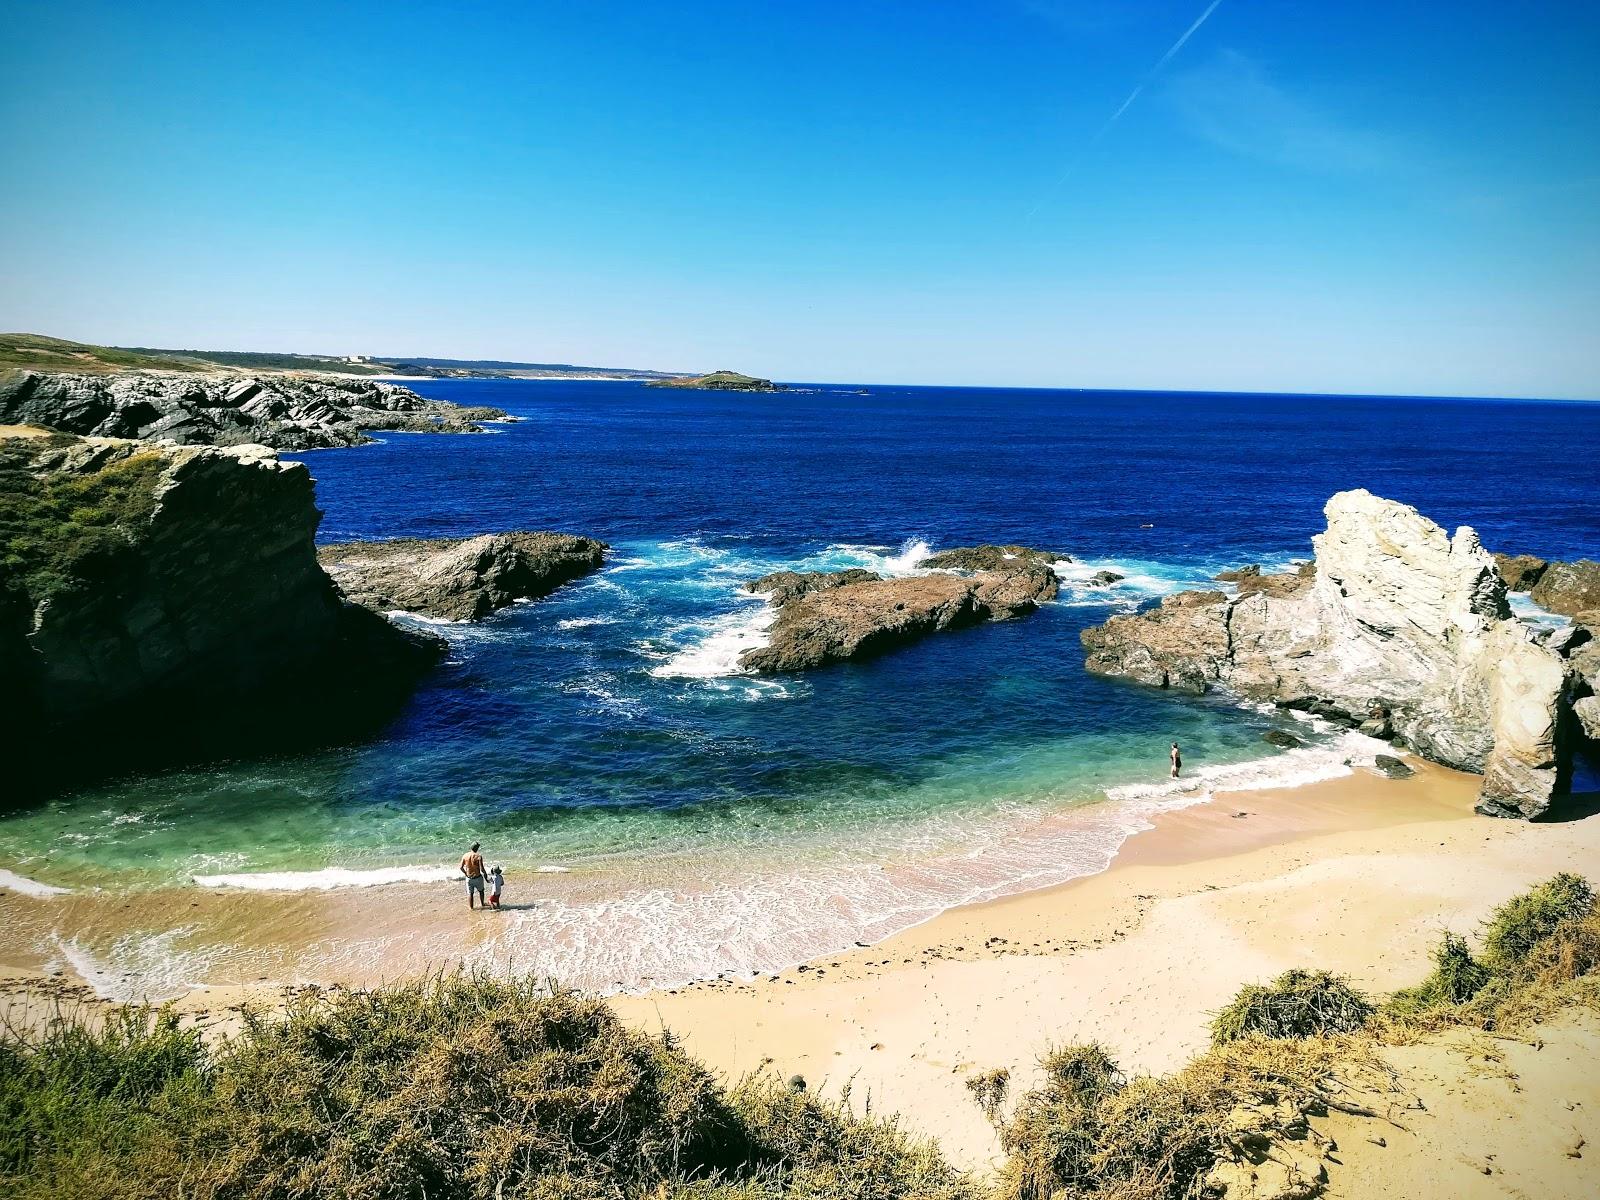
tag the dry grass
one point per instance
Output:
(457, 1087)
(1089, 1132)
(1297, 1004)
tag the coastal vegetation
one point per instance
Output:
(37, 352)
(1297, 1004)
(458, 1086)
(473, 1086)
(61, 529)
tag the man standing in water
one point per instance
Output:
(472, 868)
(1177, 760)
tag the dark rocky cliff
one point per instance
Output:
(163, 605)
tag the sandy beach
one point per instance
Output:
(1359, 875)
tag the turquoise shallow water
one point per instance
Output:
(675, 817)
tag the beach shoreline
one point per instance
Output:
(1358, 874)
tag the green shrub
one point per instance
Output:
(66, 528)
(77, 1098)
(1456, 978)
(1297, 1004)
(454, 1087)
(1524, 921)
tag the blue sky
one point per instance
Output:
(1373, 197)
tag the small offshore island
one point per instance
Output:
(720, 381)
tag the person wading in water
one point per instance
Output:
(472, 868)
(1177, 760)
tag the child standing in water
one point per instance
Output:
(497, 880)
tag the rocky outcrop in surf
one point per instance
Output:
(991, 558)
(825, 617)
(458, 579)
(163, 605)
(780, 587)
(1569, 588)
(284, 412)
(1397, 628)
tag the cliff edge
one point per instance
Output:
(162, 605)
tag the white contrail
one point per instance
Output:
(1156, 70)
(1132, 96)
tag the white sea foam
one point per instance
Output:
(328, 878)
(890, 561)
(404, 614)
(595, 687)
(584, 622)
(908, 559)
(141, 966)
(723, 639)
(1292, 768)
(1141, 580)
(738, 917)
(1526, 610)
(30, 887)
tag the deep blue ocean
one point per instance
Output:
(681, 818)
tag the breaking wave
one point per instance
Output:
(327, 878)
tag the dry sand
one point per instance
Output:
(1358, 875)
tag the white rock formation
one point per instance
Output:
(1402, 629)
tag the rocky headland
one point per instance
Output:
(163, 605)
(458, 579)
(831, 616)
(285, 412)
(1396, 628)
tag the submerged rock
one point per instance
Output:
(285, 412)
(458, 579)
(827, 617)
(1397, 628)
(1279, 737)
(1104, 579)
(163, 605)
(1393, 767)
